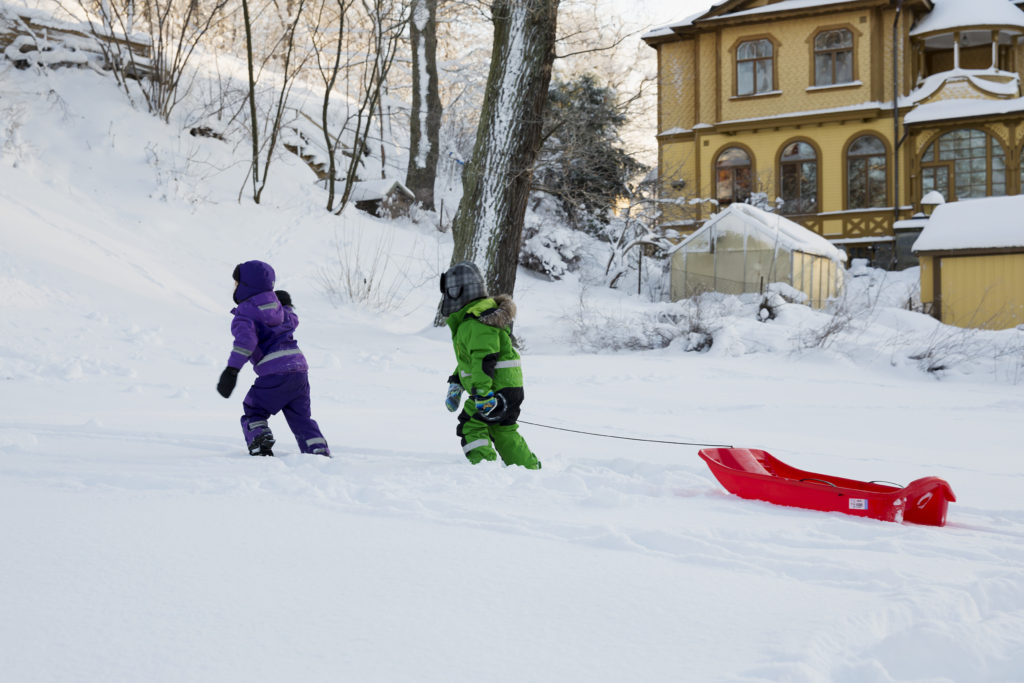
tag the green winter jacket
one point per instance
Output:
(483, 345)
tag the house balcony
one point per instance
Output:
(987, 83)
(974, 44)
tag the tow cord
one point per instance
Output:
(625, 438)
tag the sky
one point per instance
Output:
(662, 12)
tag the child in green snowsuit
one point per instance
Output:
(488, 368)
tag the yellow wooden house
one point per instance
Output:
(840, 114)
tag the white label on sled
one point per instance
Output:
(858, 503)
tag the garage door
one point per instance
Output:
(983, 291)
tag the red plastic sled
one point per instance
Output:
(753, 473)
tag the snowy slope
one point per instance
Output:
(140, 543)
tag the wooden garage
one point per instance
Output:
(972, 262)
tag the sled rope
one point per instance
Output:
(625, 438)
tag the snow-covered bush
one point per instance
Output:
(689, 324)
(948, 348)
(550, 247)
(363, 274)
(553, 250)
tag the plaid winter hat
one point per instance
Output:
(461, 284)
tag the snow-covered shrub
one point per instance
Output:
(551, 250)
(363, 274)
(948, 348)
(696, 321)
(550, 247)
(778, 294)
(603, 331)
(841, 312)
(690, 324)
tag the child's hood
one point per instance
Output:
(499, 311)
(254, 277)
(503, 315)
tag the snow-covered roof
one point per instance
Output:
(782, 6)
(369, 190)
(958, 14)
(790, 235)
(958, 109)
(663, 31)
(988, 223)
(910, 223)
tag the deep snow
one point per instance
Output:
(140, 542)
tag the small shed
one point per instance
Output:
(972, 262)
(743, 249)
(384, 198)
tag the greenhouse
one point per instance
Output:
(743, 249)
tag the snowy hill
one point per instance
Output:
(141, 543)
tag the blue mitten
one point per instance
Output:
(451, 402)
(485, 403)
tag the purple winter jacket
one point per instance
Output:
(262, 327)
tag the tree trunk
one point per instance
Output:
(253, 121)
(425, 120)
(488, 226)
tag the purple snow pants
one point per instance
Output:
(287, 392)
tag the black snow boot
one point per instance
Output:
(262, 444)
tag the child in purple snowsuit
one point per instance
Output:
(263, 325)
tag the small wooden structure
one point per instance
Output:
(743, 249)
(972, 262)
(385, 198)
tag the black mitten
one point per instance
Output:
(284, 297)
(227, 381)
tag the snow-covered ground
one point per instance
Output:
(140, 543)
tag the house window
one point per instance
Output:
(755, 67)
(733, 176)
(866, 173)
(1021, 186)
(962, 164)
(833, 57)
(799, 178)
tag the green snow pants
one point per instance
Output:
(480, 439)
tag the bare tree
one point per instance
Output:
(425, 118)
(327, 36)
(359, 56)
(283, 50)
(489, 223)
(174, 27)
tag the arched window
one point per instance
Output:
(833, 57)
(755, 61)
(799, 178)
(733, 176)
(962, 164)
(1021, 185)
(866, 173)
